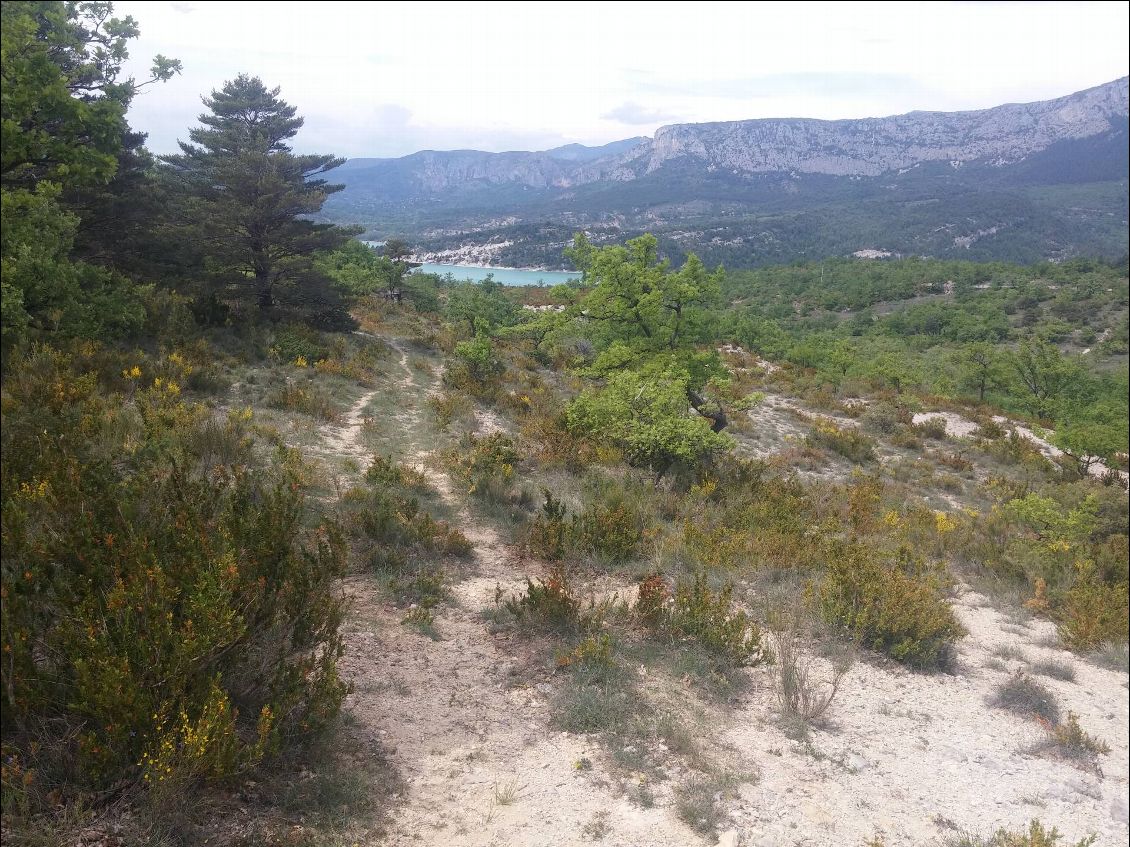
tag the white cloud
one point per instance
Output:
(633, 113)
(497, 76)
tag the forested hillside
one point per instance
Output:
(303, 547)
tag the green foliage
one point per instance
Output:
(1090, 442)
(637, 299)
(483, 306)
(694, 612)
(1093, 611)
(64, 101)
(474, 366)
(485, 466)
(645, 417)
(358, 269)
(164, 608)
(1046, 374)
(250, 198)
(63, 129)
(895, 607)
(849, 442)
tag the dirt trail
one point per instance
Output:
(473, 746)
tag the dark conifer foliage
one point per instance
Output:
(246, 193)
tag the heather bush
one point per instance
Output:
(547, 604)
(893, 606)
(167, 618)
(548, 533)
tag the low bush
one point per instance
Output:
(933, 428)
(694, 612)
(548, 533)
(388, 525)
(547, 605)
(895, 607)
(1069, 740)
(611, 531)
(804, 691)
(1092, 611)
(850, 443)
(484, 466)
(1053, 668)
(883, 419)
(307, 399)
(449, 407)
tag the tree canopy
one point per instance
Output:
(248, 196)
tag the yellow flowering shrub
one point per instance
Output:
(164, 607)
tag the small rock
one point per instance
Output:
(729, 838)
(1120, 810)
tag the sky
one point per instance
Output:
(388, 79)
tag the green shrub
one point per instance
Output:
(894, 607)
(611, 531)
(884, 419)
(166, 617)
(934, 427)
(307, 399)
(1092, 612)
(850, 443)
(449, 406)
(474, 366)
(294, 341)
(388, 523)
(548, 533)
(547, 604)
(485, 466)
(1071, 741)
(696, 613)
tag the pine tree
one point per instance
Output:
(248, 196)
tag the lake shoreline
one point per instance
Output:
(504, 275)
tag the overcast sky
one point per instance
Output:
(387, 79)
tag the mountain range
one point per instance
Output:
(1021, 182)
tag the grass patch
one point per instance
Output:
(1026, 697)
(1112, 656)
(1054, 669)
(1034, 835)
(699, 801)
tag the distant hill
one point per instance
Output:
(1021, 182)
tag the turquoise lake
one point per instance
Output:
(505, 276)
